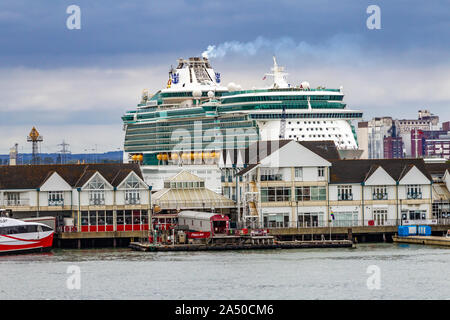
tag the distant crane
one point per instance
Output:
(34, 137)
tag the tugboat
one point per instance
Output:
(17, 236)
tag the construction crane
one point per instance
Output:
(34, 137)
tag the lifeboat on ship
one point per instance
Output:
(17, 236)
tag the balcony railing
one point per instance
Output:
(379, 196)
(272, 177)
(414, 195)
(348, 196)
(97, 202)
(324, 224)
(133, 201)
(55, 203)
(17, 202)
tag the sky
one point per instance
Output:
(76, 84)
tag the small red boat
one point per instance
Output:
(17, 236)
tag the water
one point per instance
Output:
(406, 272)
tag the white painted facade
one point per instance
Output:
(55, 194)
(275, 201)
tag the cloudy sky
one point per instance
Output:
(76, 84)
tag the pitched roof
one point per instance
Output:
(437, 169)
(261, 149)
(184, 176)
(254, 152)
(76, 175)
(325, 149)
(357, 171)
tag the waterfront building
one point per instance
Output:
(189, 123)
(82, 197)
(441, 186)
(292, 186)
(186, 191)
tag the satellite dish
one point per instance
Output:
(197, 93)
(210, 94)
(304, 85)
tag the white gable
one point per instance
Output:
(97, 174)
(55, 183)
(132, 173)
(380, 177)
(294, 154)
(414, 176)
(446, 179)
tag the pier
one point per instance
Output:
(355, 234)
(427, 240)
(148, 247)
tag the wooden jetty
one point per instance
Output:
(427, 240)
(145, 246)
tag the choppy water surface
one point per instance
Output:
(406, 272)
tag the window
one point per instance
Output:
(321, 171)
(96, 191)
(276, 220)
(379, 193)
(345, 193)
(417, 214)
(310, 193)
(414, 191)
(55, 198)
(132, 194)
(298, 173)
(132, 197)
(310, 219)
(270, 194)
(268, 174)
(380, 217)
(18, 229)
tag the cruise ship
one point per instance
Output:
(195, 118)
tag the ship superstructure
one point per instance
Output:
(195, 118)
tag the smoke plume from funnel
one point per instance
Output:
(246, 48)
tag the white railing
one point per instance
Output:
(55, 203)
(17, 202)
(132, 201)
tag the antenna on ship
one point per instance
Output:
(278, 74)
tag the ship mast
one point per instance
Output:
(278, 74)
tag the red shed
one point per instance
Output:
(205, 221)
